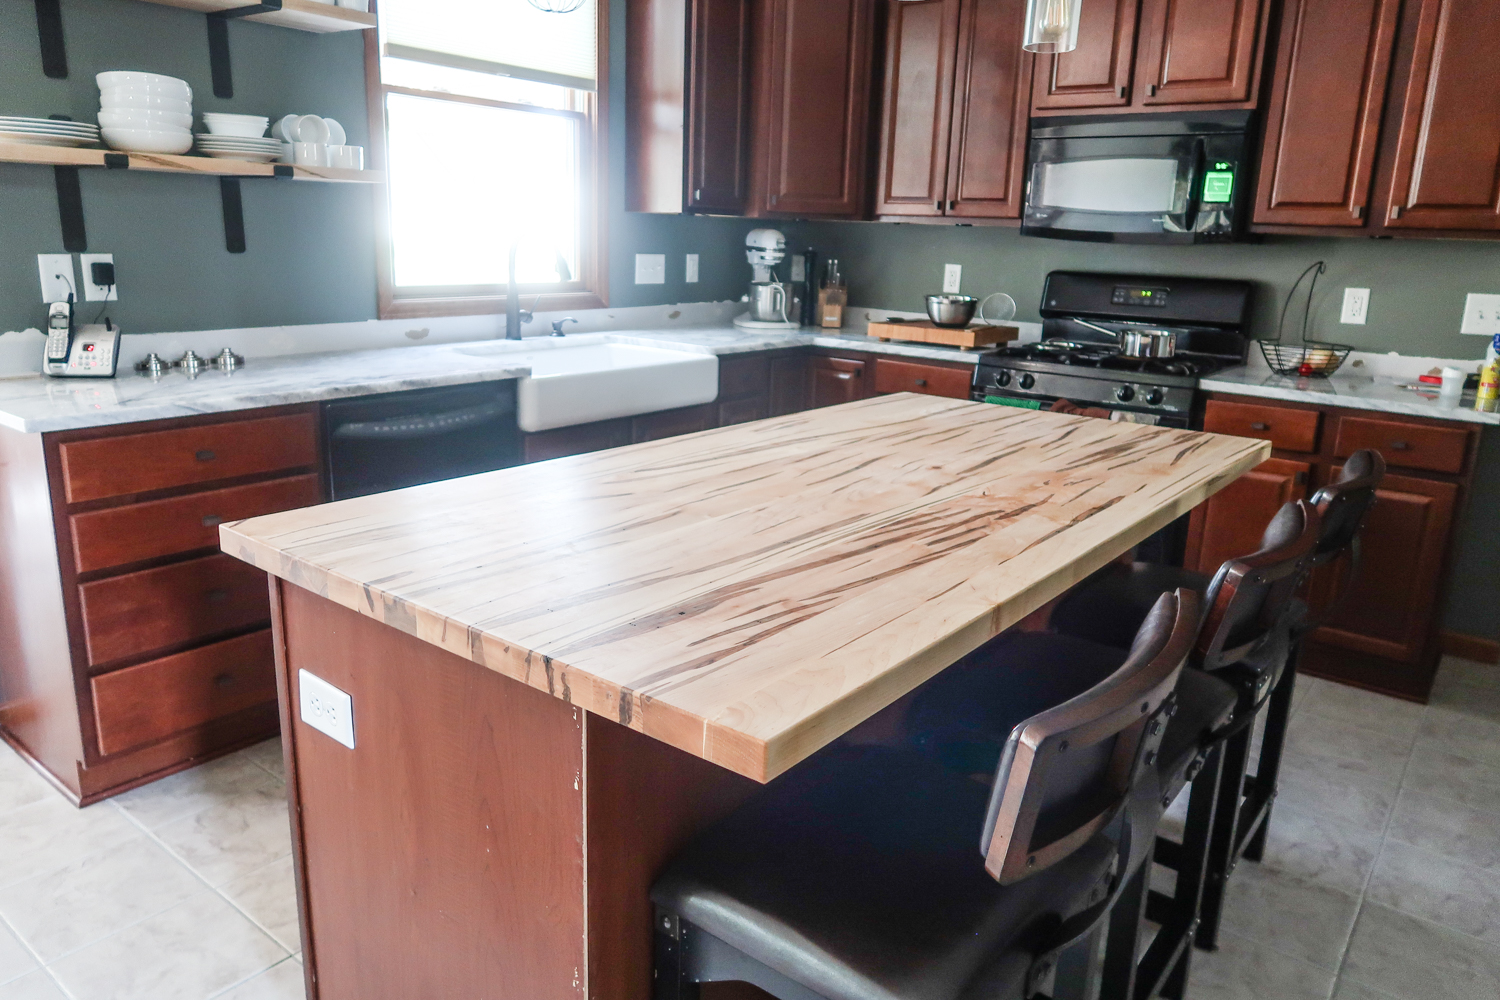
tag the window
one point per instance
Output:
(489, 114)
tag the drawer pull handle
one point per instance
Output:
(223, 680)
(1259, 426)
(1300, 479)
(212, 521)
(217, 595)
(205, 455)
(1400, 445)
(921, 381)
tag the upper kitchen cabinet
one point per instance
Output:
(957, 88)
(1095, 75)
(1323, 121)
(718, 106)
(1446, 163)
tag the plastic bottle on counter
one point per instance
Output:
(1487, 399)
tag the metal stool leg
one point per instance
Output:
(672, 982)
(1192, 869)
(1221, 847)
(1273, 742)
(1124, 937)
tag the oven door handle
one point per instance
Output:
(420, 425)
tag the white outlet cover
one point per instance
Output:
(650, 269)
(692, 269)
(91, 291)
(326, 708)
(49, 266)
(1481, 314)
(1356, 305)
(953, 278)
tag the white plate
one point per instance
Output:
(62, 128)
(139, 140)
(48, 122)
(45, 139)
(224, 154)
(217, 142)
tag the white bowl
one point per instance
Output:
(165, 85)
(123, 98)
(140, 140)
(336, 136)
(137, 118)
(311, 128)
(238, 126)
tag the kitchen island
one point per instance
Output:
(560, 672)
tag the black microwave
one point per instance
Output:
(1141, 179)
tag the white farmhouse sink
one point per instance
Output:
(578, 383)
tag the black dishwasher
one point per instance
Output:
(399, 439)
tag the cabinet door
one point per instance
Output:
(1231, 522)
(1097, 73)
(1447, 167)
(987, 161)
(1203, 52)
(920, 47)
(1323, 122)
(815, 108)
(1390, 605)
(718, 110)
(789, 385)
(836, 380)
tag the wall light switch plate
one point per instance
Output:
(1481, 314)
(91, 291)
(692, 269)
(953, 278)
(1356, 305)
(326, 708)
(650, 269)
(54, 288)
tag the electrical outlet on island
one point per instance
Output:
(953, 278)
(1356, 305)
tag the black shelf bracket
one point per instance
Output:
(218, 42)
(50, 34)
(234, 214)
(70, 209)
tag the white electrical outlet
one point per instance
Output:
(326, 708)
(1481, 314)
(650, 269)
(56, 270)
(953, 278)
(692, 269)
(91, 291)
(1356, 305)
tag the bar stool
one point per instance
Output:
(853, 876)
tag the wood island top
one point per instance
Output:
(748, 594)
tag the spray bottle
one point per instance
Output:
(1487, 400)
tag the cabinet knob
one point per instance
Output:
(1395, 211)
(697, 194)
(1151, 90)
(1259, 426)
(952, 204)
(205, 455)
(212, 520)
(223, 680)
(1122, 93)
(1400, 445)
(1300, 479)
(1358, 211)
(921, 381)
(217, 596)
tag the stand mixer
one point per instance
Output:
(774, 305)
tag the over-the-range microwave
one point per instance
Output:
(1179, 178)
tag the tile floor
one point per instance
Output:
(1381, 880)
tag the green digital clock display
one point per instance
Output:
(1218, 184)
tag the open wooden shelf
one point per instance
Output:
(62, 156)
(304, 15)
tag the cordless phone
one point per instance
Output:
(90, 352)
(59, 331)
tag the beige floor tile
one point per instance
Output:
(1244, 970)
(1307, 844)
(52, 832)
(282, 982)
(269, 896)
(1348, 989)
(1319, 736)
(196, 789)
(1454, 671)
(194, 950)
(234, 837)
(1458, 733)
(1446, 892)
(20, 785)
(97, 895)
(1353, 792)
(1450, 776)
(1295, 917)
(1412, 959)
(1442, 826)
(1358, 707)
(15, 960)
(35, 986)
(267, 754)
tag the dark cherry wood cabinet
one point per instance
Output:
(1385, 634)
(129, 646)
(957, 90)
(1097, 74)
(1323, 120)
(837, 380)
(718, 106)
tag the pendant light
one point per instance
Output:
(1051, 26)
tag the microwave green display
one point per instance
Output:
(1218, 184)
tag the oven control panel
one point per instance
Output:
(1173, 401)
(1135, 295)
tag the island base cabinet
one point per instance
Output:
(483, 837)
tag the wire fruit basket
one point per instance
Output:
(1309, 358)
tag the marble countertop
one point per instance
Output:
(36, 404)
(1381, 393)
(749, 593)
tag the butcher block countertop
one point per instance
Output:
(749, 594)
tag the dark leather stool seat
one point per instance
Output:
(1110, 605)
(857, 875)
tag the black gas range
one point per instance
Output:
(1076, 362)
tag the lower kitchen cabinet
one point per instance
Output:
(836, 380)
(1385, 634)
(129, 646)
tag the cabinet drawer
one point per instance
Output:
(151, 701)
(138, 612)
(744, 376)
(135, 463)
(904, 376)
(1288, 429)
(120, 535)
(1413, 446)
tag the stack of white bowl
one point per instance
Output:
(238, 137)
(145, 112)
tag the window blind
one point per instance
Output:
(504, 37)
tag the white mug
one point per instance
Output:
(349, 157)
(359, 5)
(310, 154)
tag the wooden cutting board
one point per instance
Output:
(928, 333)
